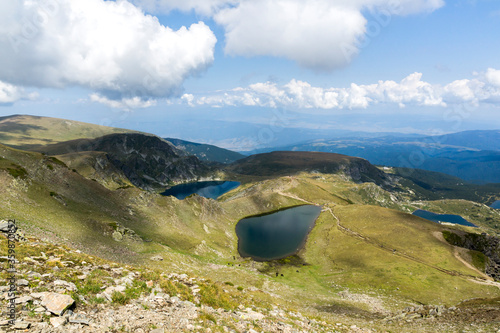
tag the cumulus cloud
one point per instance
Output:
(485, 88)
(111, 47)
(493, 77)
(317, 34)
(124, 103)
(203, 7)
(10, 94)
(412, 90)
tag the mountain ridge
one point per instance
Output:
(439, 153)
(148, 161)
(206, 152)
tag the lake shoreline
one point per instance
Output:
(243, 253)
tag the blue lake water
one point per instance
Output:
(276, 235)
(496, 204)
(211, 189)
(449, 218)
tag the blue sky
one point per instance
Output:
(245, 74)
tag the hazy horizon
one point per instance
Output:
(247, 74)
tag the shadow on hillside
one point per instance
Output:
(10, 126)
(349, 310)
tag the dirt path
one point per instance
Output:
(456, 252)
(485, 279)
(292, 196)
(403, 255)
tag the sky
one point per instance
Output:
(246, 74)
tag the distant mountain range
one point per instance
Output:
(206, 152)
(472, 155)
(97, 194)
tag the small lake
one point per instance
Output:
(276, 235)
(438, 218)
(210, 189)
(496, 204)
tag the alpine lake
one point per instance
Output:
(277, 234)
(443, 218)
(209, 189)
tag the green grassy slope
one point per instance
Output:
(26, 132)
(280, 163)
(350, 250)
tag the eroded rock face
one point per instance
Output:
(148, 162)
(488, 245)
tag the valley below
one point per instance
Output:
(366, 265)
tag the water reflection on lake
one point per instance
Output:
(496, 204)
(439, 218)
(276, 235)
(209, 189)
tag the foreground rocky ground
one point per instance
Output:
(63, 290)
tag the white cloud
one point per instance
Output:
(110, 47)
(464, 90)
(317, 34)
(485, 88)
(124, 103)
(412, 90)
(493, 76)
(203, 7)
(10, 94)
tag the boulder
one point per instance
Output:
(22, 283)
(21, 325)
(7, 227)
(117, 236)
(56, 303)
(23, 299)
(78, 318)
(58, 321)
(65, 284)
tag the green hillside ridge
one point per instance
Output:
(27, 132)
(281, 163)
(34, 132)
(472, 155)
(347, 268)
(147, 161)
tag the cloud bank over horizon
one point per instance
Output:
(128, 59)
(109, 47)
(484, 88)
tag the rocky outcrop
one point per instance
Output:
(148, 161)
(71, 292)
(122, 233)
(486, 244)
(421, 312)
